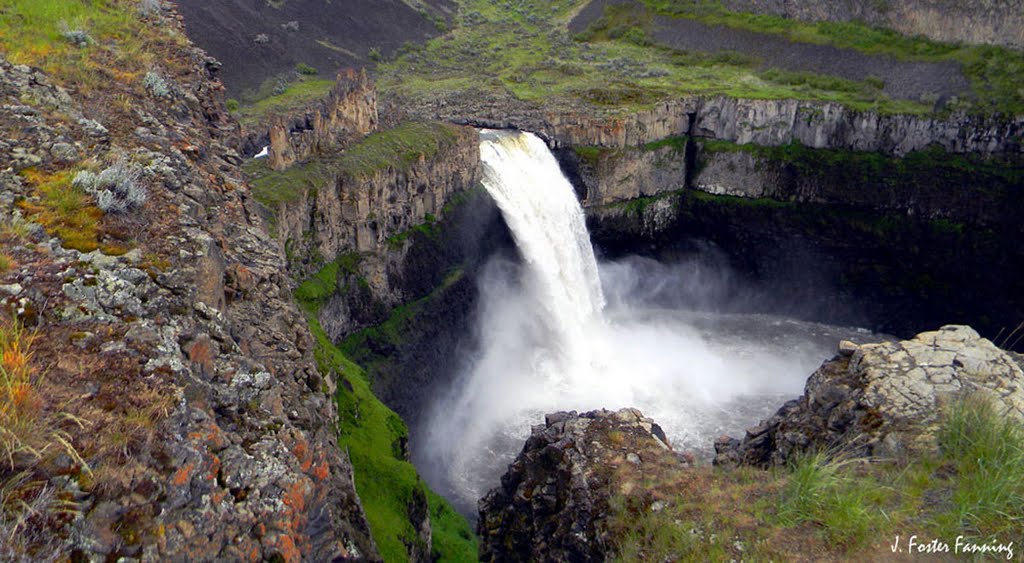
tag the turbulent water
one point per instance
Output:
(548, 342)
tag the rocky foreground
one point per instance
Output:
(564, 496)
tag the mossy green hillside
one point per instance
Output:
(303, 91)
(524, 49)
(995, 72)
(373, 436)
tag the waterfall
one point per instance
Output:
(544, 340)
(548, 225)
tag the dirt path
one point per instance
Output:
(904, 80)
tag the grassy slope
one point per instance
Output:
(372, 433)
(995, 72)
(821, 508)
(122, 46)
(524, 49)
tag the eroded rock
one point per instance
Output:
(883, 399)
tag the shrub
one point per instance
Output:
(117, 189)
(77, 37)
(156, 85)
(232, 104)
(375, 55)
(303, 68)
(149, 8)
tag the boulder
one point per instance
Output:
(554, 498)
(884, 399)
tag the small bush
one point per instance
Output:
(375, 55)
(232, 104)
(305, 69)
(117, 189)
(5, 263)
(77, 37)
(156, 85)
(149, 8)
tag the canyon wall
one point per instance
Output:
(763, 122)
(995, 22)
(347, 113)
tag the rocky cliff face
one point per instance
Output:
(762, 122)
(206, 427)
(996, 22)
(883, 399)
(358, 213)
(347, 113)
(553, 499)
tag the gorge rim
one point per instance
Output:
(557, 330)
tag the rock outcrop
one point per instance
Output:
(347, 113)
(764, 122)
(997, 22)
(883, 399)
(552, 500)
(359, 212)
(205, 427)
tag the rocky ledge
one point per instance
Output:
(554, 497)
(883, 399)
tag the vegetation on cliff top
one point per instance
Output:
(971, 486)
(397, 148)
(524, 49)
(995, 72)
(374, 437)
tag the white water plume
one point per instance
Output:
(547, 343)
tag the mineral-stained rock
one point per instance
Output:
(883, 399)
(553, 499)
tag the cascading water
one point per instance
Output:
(549, 228)
(546, 341)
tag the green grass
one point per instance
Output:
(995, 73)
(829, 494)
(986, 451)
(523, 49)
(396, 148)
(971, 484)
(297, 94)
(123, 46)
(372, 435)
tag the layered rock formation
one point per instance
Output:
(883, 399)
(552, 500)
(763, 122)
(206, 429)
(347, 113)
(997, 22)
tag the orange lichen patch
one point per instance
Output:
(284, 545)
(302, 453)
(295, 497)
(181, 476)
(322, 471)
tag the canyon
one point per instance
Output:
(249, 364)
